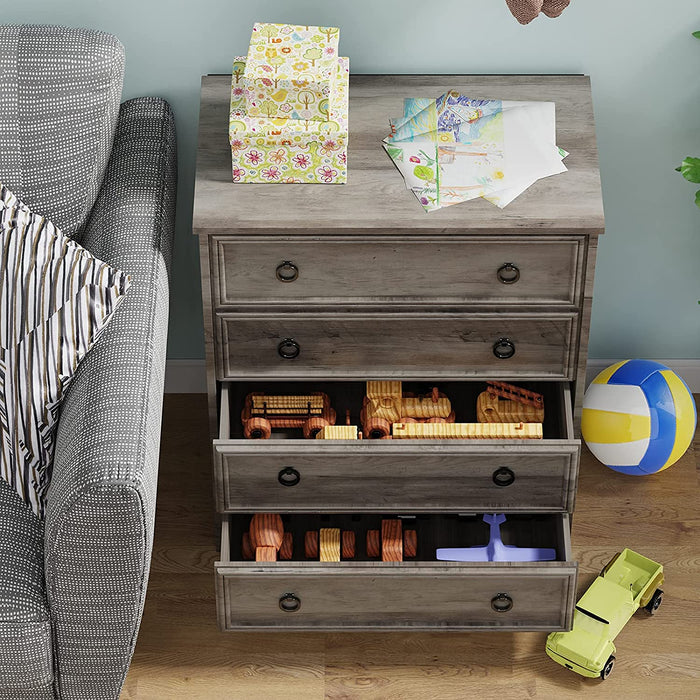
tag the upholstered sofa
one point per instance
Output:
(72, 586)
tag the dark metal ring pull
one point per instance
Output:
(289, 476)
(504, 348)
(508, 273)
(501, 602)
(288, 349)
(289, 603)
(287, 271)
(503, 476)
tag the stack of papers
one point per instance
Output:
(457, 148)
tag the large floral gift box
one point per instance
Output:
(274, 150)
(290, 71)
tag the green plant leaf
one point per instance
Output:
(690, 169)
(696, 35)
(697, 198)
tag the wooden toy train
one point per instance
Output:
(504, 411)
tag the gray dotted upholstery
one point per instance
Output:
(99, 517)
(59, 97)
(26, 657)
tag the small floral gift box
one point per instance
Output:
(275, 150)
(290, 70)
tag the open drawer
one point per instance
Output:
(421, 593)
(288, 473)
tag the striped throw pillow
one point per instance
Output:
(55, 300)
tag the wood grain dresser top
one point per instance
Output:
(375, 198)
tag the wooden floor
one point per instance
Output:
(181, 653)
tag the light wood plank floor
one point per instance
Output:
(181, 653)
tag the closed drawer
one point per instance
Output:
(424, 593)
(387, 345)
(536, 270)
(289, 473)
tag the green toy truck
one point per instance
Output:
(629, 581)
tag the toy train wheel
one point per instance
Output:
(407, 419)
(653, 605)
(410, 543)
(311, 544)
(436, 419)
(348, 544)
(313, 426)
(377, 428)
(257, 429)
(287, 546)
(607, 669)
(374, 543)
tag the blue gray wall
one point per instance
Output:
(645, 72)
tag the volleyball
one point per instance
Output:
(639, 417)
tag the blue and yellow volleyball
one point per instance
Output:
(639, 417)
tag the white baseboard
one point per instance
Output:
(687, 370)
(189, 376)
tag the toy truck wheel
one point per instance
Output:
(653, 605)
(377, 428)
(257, 429)
(313, 426)
(607, 669)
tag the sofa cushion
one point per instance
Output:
(60, 90)
(26, 658)
(55, 300)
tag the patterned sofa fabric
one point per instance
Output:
(26, 656)
(60, 90)
(99, 516)
(101, 504)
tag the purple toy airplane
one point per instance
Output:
(495, 550)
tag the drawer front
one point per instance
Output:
(357, 596)
(377, 475)
(471, 270)
(383, 346)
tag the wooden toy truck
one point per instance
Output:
(385, 403)
(263, 412)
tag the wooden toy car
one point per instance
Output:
(385, 403)
(329, 544)
(628, 582)
(507, 403)
(467, 431)
(265, 538)
(392, 543)
(263, 412)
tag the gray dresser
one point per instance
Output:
(320, 288)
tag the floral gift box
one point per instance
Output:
(290, 71)
(274, 150)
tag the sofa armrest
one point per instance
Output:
(101, 502)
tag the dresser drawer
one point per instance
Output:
(512, 270)
(291, 474)
(385, 345)
(423, 593)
